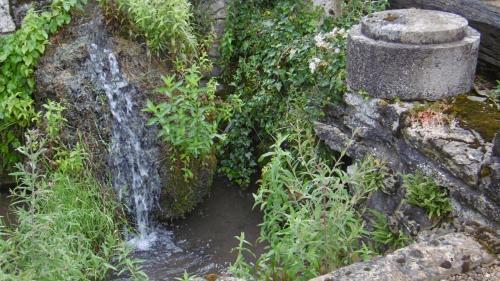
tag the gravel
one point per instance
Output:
(482, 273)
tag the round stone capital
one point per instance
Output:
(412, 55)
(414, 26)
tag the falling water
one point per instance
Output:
(135, 177)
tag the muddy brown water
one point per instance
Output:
(202, 242)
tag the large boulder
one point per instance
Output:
(67, 74)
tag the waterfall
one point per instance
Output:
(134, 175)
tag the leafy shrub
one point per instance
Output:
(165, 24)
(423, 191)
(190, 117)
(19, 56)
(278, 52)
(68, 225)
(310, 224)
(383, 235)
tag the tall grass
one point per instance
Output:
(165, 24)
(68, 225)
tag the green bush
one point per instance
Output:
(278, 52)
(165, 24)
(190, 116)
(423, 191)
(19, 56)
(68, 225)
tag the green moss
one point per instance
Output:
(180, 196)
(482, 117)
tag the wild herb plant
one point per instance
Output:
(240, 267)
(68, 225)
(423, 191)
(383, 235)
(19, 56)
(310, 224)
(276, 52)
(165, 25)
(190, 116)
(53, 118)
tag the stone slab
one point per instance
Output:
(6, 23)
(414, 26)
(433, 259)
(408, 71)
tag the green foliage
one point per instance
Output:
(423, 191)
(190, 117)
(240, 267)
(277, 52)
(494, 95)
(19, 56)
(373, 173)
(383, 235)
(310, 224)
(53, 118)
(68, 225)
(165, 24)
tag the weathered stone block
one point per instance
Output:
(412, 55)
(433, 259)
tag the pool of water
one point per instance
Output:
(201, 243)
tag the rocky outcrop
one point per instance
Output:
(65, 74)
(456, 158)
(431, 259)
(6, 21)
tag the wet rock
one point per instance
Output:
(433, 259)
(6, 21)
(66, 74)
(412, 54)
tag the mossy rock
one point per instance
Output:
(482, 117)
(65, 75)
(179, 196)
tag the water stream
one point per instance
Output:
(201, 243)
(135, 177)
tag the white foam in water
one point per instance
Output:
(143, 242)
